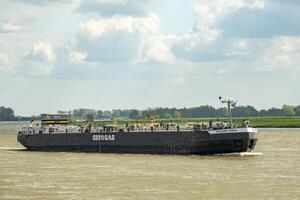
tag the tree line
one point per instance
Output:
(6, 114)
(206, 111)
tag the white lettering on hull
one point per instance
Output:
(234, 130)
(103, 137)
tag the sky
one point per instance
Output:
(122, 54)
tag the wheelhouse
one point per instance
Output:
(51, 119)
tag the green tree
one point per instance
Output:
(288, 110)
(177, 114)
(245, 111)
(263, 113)
(134, 114)
(116, 113)
(146, 114)
(90, 117)
(274, 112)
(6, 114)
(82, 112)
(99, 113)
(297, 110)
(166, 115)
(125, 113)
(107, 113)
(222, 112)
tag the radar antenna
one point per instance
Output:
(230, 104)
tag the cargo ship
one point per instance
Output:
(55, 133)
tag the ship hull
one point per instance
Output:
(192, 142)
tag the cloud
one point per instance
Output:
(240, 45)
(77, 57)
(205, 41)
(274, 20)
(291, 2)
(43, 2)
(28, 14)
(283, 54)
(118, 32)
(115, 7)
(205, 19)
(208, 15)
(3, 59)
(8, 62)
(96, 28)
(5, 65)
(156, 49)
(9, 27)
(40, 61)
(129, 31)
(29, 23)
(115, 39)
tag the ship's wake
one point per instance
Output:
(241, 154)
(12, 148)
(250, 154)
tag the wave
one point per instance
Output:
(11, 148)
(251, 154)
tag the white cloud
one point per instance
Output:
(205, 19)
(96, 28)
(3, 59)
(113, 2)
(24, 23)
(238, 48)
(159, 52)
(77, 57)
(115, 39)
(138, 39)
(204, 41)
(42, 51)
(257, 4)
(5, 63)
(40, 61)
(9, 27)
(240, 45)
(157, 49)
(7, 60)
(209, 14)
(200, 43)
(283, 54)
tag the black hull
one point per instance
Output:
(143, 142)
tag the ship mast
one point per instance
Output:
(230, 104)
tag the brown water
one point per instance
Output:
(275, 174)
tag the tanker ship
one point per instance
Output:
(55, 133)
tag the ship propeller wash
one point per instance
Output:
(55, 133)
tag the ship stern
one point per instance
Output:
(21, 138)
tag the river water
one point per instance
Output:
(271, 172)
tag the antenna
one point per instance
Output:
(230, 104)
